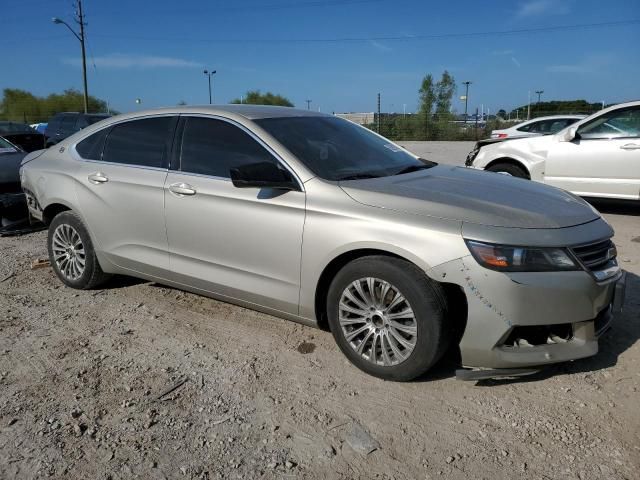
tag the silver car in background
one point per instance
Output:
(313, 218)
(537, 126)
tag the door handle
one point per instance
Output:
(98, 178)
(182, 189)
(630, 146)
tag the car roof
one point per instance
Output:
(554, 117)
(251, 112)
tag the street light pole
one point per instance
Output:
(539, 92)
(308, 104)
(81, 39)
(210, 74)
(466, 99)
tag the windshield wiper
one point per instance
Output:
(415, 168)
(358, 176)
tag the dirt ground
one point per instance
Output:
(86, 378)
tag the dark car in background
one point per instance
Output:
(22, 135)
(65, 124)
(13, 205)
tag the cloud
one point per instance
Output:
(120, 60)
(503, 52)
(589, 64)
(542, 7)
(379, 46)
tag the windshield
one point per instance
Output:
(12, 127)
(335, 149)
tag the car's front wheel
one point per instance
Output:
(71, 253)
(508, 169)
(388, 317)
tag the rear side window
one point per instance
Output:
(138, 142)
(91, 147)
(212, 147)
(68, 122)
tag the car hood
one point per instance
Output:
(473, 196)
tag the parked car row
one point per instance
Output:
(313, 218)
(597, 156)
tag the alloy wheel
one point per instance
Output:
(68, 251)
(377, 321)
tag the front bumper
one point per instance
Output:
(518, 320)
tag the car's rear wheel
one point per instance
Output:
(508, 169)
(71, 253)
(388, 317)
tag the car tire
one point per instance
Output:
(509, 169)
(381, 349)
(71, 253)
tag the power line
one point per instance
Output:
(562, 28)
(275, 6)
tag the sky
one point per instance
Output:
(337, 53)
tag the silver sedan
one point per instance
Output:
(315, 219)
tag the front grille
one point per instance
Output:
(597, 255)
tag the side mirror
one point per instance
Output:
(570, 134)
(262, 175)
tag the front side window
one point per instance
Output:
(336, 149)
(212, 147)
(622, 123)
(138, 142)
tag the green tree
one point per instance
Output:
(427, 95)
(445, 89)
(254, 97)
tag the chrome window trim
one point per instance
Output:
(242, 127)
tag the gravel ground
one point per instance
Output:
(87, 377)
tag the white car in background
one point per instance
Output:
(537, 126)
(598, 156)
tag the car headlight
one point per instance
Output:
(504, 258)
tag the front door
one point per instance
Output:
(242, 243)
(604, 158)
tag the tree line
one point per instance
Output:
(22, 106)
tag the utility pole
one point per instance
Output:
(529, 107)
(378, 113)
(84, 57)
(476, 126)
(308, 104)
(466, 99)
(81, 38)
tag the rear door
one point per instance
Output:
(243, 243)
(604, 158)
(120, 191)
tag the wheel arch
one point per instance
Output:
(53, 209)
(510, 161)
(455, 296)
